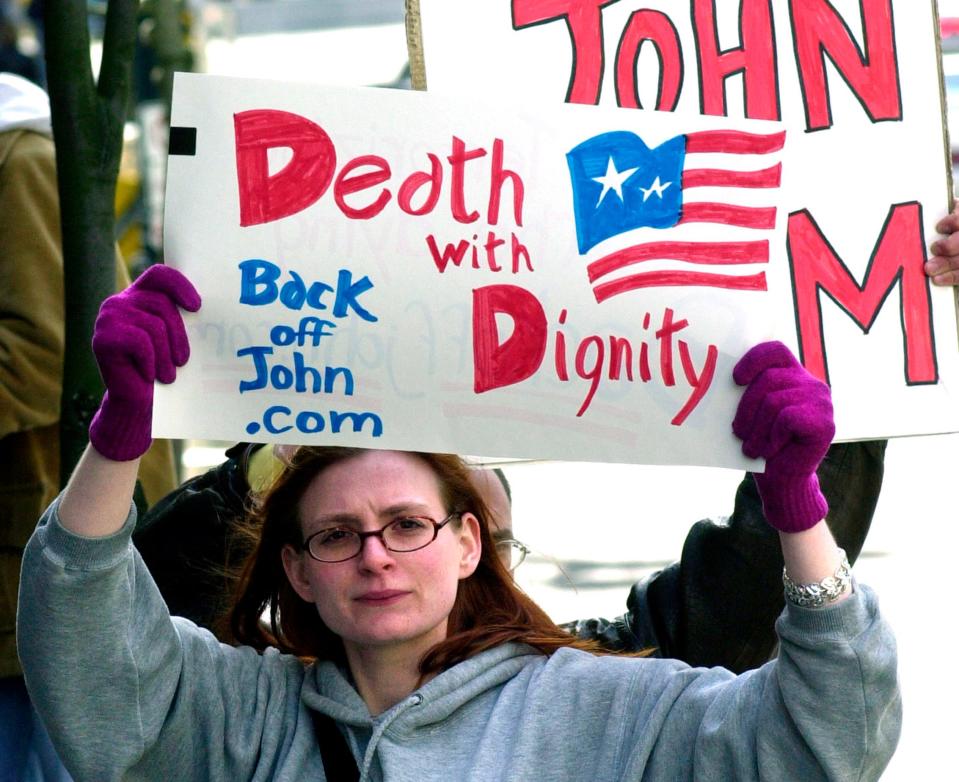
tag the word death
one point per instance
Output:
(614, 358)
(359, 186)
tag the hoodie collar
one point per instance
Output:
(23, 105)
(328, 689)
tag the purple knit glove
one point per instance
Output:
(785, 416)
(138, 337)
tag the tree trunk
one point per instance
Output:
(88, 118)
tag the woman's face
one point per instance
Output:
(382, 598)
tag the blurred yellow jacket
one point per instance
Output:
(31, 362)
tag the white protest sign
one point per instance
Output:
(401, 270)
(856, 84)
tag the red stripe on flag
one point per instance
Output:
(718, 253)
(717, 177)
(734, 142)
(729, 214)
(751, 282)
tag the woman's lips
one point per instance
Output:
(382, 597)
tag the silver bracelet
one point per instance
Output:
(819, 594)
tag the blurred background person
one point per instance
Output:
(12, 58)
(31, 366)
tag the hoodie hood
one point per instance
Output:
(23, 105)
(328, 689)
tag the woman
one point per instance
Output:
(391, 616)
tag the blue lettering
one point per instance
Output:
(312, 421)
(358, 419)
(305, 377)
(282, 335)
(268, 419)
(258, 286)
(302, 372)
(256, 273)
(259, 355)
(314, 296)
(309, 327)
(293, 293)
(281, 377)
(347, 293)
(308, 417)
(330, 378)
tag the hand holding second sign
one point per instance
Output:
(139, 337)
(784, 416)
(943, 265)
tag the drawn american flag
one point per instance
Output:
(621, 185)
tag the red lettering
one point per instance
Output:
(594, 373)
(458, 160)
(585, 24)
(755, 58)
(699, 383)
(620, 355)
(645, 374)
(665, 337)
(818, 30)
(492, 242)
(264, 198)
(345, 184)
(520, 251)
(415, 181)
(495, 364)
(450, 254)
(658, 29)
(498, 176)
(559, 352)
(897, 258)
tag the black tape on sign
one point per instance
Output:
(182, 141)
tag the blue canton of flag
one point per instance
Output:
(620, 184)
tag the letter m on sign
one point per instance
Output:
(897, 259)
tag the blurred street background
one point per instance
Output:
(593, 529)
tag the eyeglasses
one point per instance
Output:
(402, 535)
(513, 552)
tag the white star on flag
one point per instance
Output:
(656, 188)
(613, 180)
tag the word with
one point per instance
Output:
(276, 421)
(455, 255)
(309, 173)
(499, 364)
(819, 33)
(258, 287)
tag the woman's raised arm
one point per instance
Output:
(785, 416)
(139, 337)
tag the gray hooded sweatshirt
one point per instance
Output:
(129, 693)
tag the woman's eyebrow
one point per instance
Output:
(415, 508)
(335, 520)
(408, 507)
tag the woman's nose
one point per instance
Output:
(374, 552)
